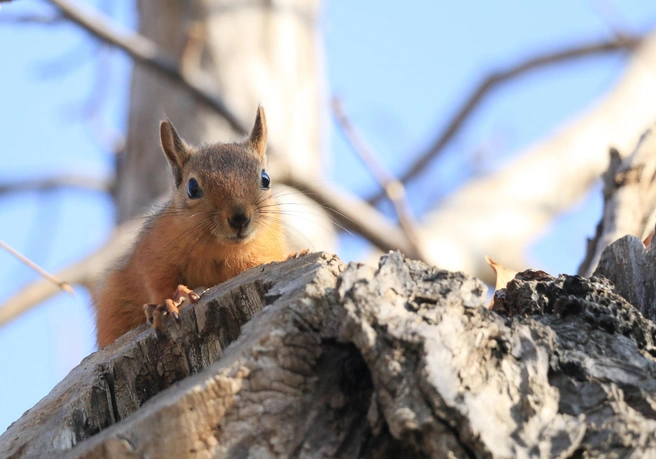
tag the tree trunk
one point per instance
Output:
(402, 360)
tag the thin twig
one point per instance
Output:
(393, 188)
(61, 284)
(84, 272)
(49, 183)
(613, 18)
(496, 78)
(39, 19)
(148, 53)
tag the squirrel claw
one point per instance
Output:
(297, 254)
(184, 293)
(155, 313)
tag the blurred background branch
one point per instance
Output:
(494, 79)
(51, 183)
(393, 188)
(146, 52)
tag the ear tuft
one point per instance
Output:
(176, 150)
(258, 138)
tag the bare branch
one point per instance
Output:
(40, 19)
(392, 187)
(494, 79)
(613, 18)
(42, 272)
(46, 184)
(148, 53)
(355, 214)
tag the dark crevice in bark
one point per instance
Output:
(111, 379)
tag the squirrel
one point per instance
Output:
(221, 220)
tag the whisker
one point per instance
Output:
(310, 220)
(268, 228)
(299, 214)
(263, 223)
(192, 235)
(323, 206)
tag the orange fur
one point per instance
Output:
(191, 241)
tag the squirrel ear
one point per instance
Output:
(258, 138)
(175, 149)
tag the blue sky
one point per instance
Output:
(401, 73)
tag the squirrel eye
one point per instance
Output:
(193, 189)
(266, 180)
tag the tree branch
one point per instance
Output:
(349, 210)
(40, 19)
(64, 181)
(354, 214)
(494, 79)
(148, 53)
(42, 272)
(392, 187)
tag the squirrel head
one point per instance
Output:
(222, 189)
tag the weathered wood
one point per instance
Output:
(629, 199)
(584, 362)
(112, 383)
(402, 360)
(632, 269)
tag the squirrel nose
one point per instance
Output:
(239, 220)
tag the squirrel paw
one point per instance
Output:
(297, 254)
(184, 293)
(155, 313)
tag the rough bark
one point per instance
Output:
(112, 383)
(631, 268)
(402, 360)
(594, 390)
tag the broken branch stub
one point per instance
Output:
(629, 199)
(402, 360)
